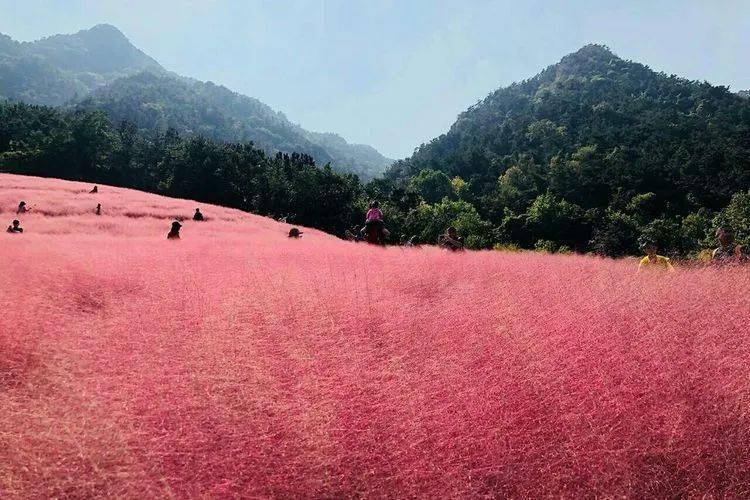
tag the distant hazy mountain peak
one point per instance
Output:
(102, 49)
(593, 50)
(60, 68)
(104, 28)
(589, 59)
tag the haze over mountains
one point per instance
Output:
(62, 68)
(100, 68)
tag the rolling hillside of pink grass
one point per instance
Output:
(237, 362)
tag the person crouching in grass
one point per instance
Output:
(174, 233)
(15, 227)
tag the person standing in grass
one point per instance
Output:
(22, 208)
(652, 260)
(98, 210)
(198, 216)
(728, 250)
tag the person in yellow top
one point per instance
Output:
(652, 260)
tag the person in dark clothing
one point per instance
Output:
(15, 227)
(174, 233)
(353, 234)
(451, 240)
(728, 249)
(22, 208)
(98, 209)
(374, 232)
(198, 215)
(95, 190)
(295, 233)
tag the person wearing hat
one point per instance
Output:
(652, 260)
(295, 233)
(728, 250)
(174, 233)
(15, 227)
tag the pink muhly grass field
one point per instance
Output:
(239, 362)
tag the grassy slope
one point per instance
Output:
(237, 361)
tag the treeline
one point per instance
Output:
(83, 145)
(574, 204)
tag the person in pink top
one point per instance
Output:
(374, 219)
(374, 213)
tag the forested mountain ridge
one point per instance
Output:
(99, 67)
(159, 102)
(60, 68)
(156, 102)
(591, 151)
(360, 159)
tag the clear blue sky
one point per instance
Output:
(395, 73)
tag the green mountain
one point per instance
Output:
(156, 102)
(591, 151)
(58, 69)
(99, 68)
(159, 102)
(360, 159)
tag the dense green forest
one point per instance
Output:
(99, 68)
(592, 155)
